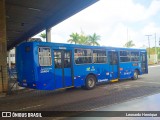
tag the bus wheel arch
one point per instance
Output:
(90, 81)
(135, 74)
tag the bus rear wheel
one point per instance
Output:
(135, 75)
(90, 82)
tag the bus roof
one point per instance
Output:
(79, 46)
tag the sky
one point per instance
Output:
(116, 21)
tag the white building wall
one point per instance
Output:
(153, 59)
(11, 57)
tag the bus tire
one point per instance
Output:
(90, 82)
(135, 75)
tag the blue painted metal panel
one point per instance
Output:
(67, 77)
(58, 78)
(101, 72)
(126, 70)
(45, 79)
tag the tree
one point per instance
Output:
(83, 40)
(74, 38)
(129, 44)
(93, 39)
(43, 35)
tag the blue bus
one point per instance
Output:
(50, 66)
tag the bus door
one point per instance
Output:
(113, 64)
(144, 65)
(63, 71)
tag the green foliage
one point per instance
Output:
(74, 38)
(152, 51)
(158, 56)
(93, 39)
(43, 35)
(129, 44)
(84, 39)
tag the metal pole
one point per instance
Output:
(127, 34)
(48, 35)
(155, 50)
(149, 44)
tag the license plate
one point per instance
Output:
(24, 84)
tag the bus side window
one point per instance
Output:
(57, 59)
(67, 64)
(87, 60)
(80, 60)
(113, 58)
(99, 56)
(57, 63)
(134, 56)
(125, 56)
(67, 59)
(82, 56)
(45, 58)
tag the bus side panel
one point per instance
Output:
(68, 77)
(58, 78)
(80, 74)
(126, 70)
(45, 79)
(101, 71)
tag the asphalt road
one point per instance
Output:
(82, 100)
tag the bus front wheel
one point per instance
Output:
(135, 76)
(90, 82)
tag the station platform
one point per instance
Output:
(147, 103)
(141, 108)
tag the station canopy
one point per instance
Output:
(25, 18)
